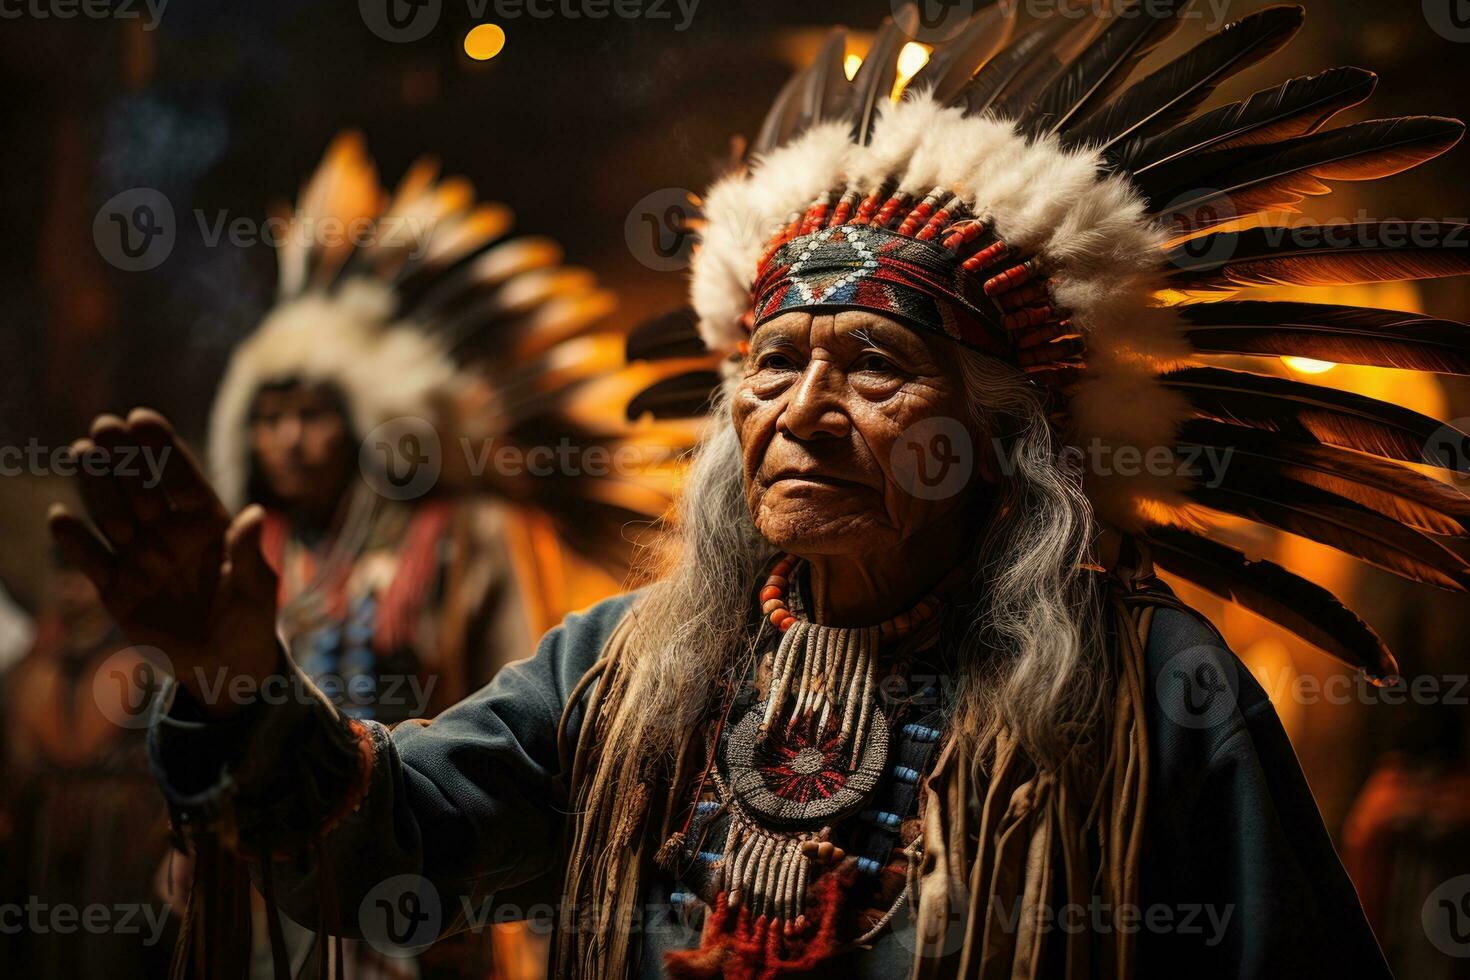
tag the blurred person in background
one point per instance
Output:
(364, 417)
(80, 829)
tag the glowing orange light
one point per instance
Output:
(911, 58)
(1306, 365)
(484, 41)
(851, 64)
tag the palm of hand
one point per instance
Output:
(169, 564)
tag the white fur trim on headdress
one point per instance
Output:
(1089, 227)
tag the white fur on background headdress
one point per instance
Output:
(405, 302)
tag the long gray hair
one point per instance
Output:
(1025, 641)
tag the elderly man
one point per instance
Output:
(896, 706)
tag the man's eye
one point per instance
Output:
(774, 361)
(876, 363)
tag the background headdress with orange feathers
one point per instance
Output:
(418, 304)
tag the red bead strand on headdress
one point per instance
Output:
(962, 233)
(890, 209)
(1016, 275)
(867, 209)
(919, 216)
(843, 211)
(987, 256)
(1028, 295)
(1027, 316)
(816, 216)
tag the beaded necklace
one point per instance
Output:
(809, 756)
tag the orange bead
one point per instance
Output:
(770, 592)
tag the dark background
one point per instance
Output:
(226, 107)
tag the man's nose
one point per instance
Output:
(814, 410)
(290, 431)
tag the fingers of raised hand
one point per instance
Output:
(83, 548)
(180, 475)
(132, 466)
(102, 494)
(161, 524)
(247, 571)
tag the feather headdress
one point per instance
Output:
(1082, 229)
(417, 304)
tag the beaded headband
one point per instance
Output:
(932, 265)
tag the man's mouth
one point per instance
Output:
(818, 479)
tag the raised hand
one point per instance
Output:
(171, 566)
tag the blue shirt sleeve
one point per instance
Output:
(472, 803)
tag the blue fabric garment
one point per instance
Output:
(1239, 875)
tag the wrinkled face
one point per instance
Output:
(302, 445)
(820, 411)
